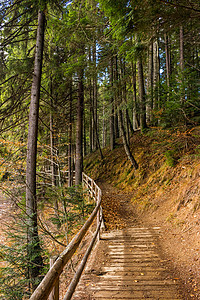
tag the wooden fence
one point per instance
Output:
(49, 286)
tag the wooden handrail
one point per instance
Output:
(45, 287)
(77, 276)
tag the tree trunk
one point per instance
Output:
(126, 146)
(112, 130)
(53, 154)
(122, 91)
(156, 75)
(84, 135)
(142, 99)
(95, 142)
(116, 123)
(53, 168)
(34, 250)
(94, 127)
(181, 49)
(150, 84)
(127, 127)
(182, 65)
(135, 108)
(91, 107)
(129, 121)
(97, 136)
(168, 60)
(79, 131)
(116, 78)
(70, 168)
(103, 128)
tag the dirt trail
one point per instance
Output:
(128, 263)
(117, 210)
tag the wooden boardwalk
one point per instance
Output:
(133, 269)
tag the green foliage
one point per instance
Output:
(197, 151)
(171, 114)
(14, 273)
(115, 9)
(73, 207)
(170, 158)
(70, 207)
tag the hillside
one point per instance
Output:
(165, 190)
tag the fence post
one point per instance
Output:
(98, 214)
(95, 191)
(92, 188)
(55, 291)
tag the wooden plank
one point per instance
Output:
(119, 298)
(132, 283)
(115, 252)
(117, 294)
(131, 273)
(131, 297)
(131, 268)
(132, 245)
(132, 277)
(152, 288)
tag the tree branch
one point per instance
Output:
(180, 5)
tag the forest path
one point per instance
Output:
(127, 263)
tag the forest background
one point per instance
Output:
(75, 77)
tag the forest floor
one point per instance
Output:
(164, 192)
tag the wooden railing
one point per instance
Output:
(95, 193)
(50, 283)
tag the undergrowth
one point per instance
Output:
(61, 213)
(160, 154)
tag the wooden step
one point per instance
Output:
(132, 269)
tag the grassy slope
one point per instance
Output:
(169, 167)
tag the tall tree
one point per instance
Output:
(70, 165)
(168, 59)
(112, 130)
(150, 83)
(79, 129)
(34, 250)
(182, 63)
(156, 75)
(142, 96)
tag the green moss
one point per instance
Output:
(170, 158)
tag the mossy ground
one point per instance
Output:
(168, 160)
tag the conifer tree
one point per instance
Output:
(34, 249)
